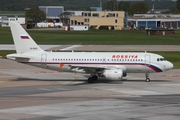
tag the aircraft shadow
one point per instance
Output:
(84, 81)
(126, 80)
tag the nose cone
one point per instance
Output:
(169, 66)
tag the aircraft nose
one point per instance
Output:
(169, 66)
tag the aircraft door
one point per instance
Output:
(43, 59)
(147, 60)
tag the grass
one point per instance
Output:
(12, 12)
(174, 57)
(97, 37)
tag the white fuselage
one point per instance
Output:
(129, 62)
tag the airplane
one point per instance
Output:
(110, 65)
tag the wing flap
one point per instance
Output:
(88, 68)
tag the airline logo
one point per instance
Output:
(24, 37)
(125, 56)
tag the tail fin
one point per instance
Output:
(22, 40)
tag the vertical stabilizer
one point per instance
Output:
(22, 40)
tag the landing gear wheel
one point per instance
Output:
(147, 77)
(90, 80)
(94, 77)
(148, 80)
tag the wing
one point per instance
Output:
(90, 69)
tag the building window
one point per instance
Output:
(89, 14)
(116, 21)
(12, 19)
(111, 15)
(72, 22)
(95, 14)
(116, 14)
(75, 22)
(86, 20)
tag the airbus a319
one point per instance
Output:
(110, 65)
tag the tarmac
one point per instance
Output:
(102, 47)
(31, 93)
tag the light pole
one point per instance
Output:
(100, 3)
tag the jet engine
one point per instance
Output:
(116, 74)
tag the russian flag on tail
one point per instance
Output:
(24, 37)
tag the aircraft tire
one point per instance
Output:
(148, 80)
(94, 77)
(90, 80)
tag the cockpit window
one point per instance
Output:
(161, 59)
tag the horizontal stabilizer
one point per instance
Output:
(18, 57)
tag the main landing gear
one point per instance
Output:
(147, 77)
(92, 78)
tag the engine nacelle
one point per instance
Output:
(113, 74)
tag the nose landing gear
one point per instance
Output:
(147, 77)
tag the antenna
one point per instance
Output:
(100, 3)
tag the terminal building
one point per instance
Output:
(113, 20)
(153, 21)
(52, 12)
(4, 20)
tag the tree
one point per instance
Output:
(178, 4)
(139, 8)
(124, 6)
(111, 5)
(175, 11)
(36, 15)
